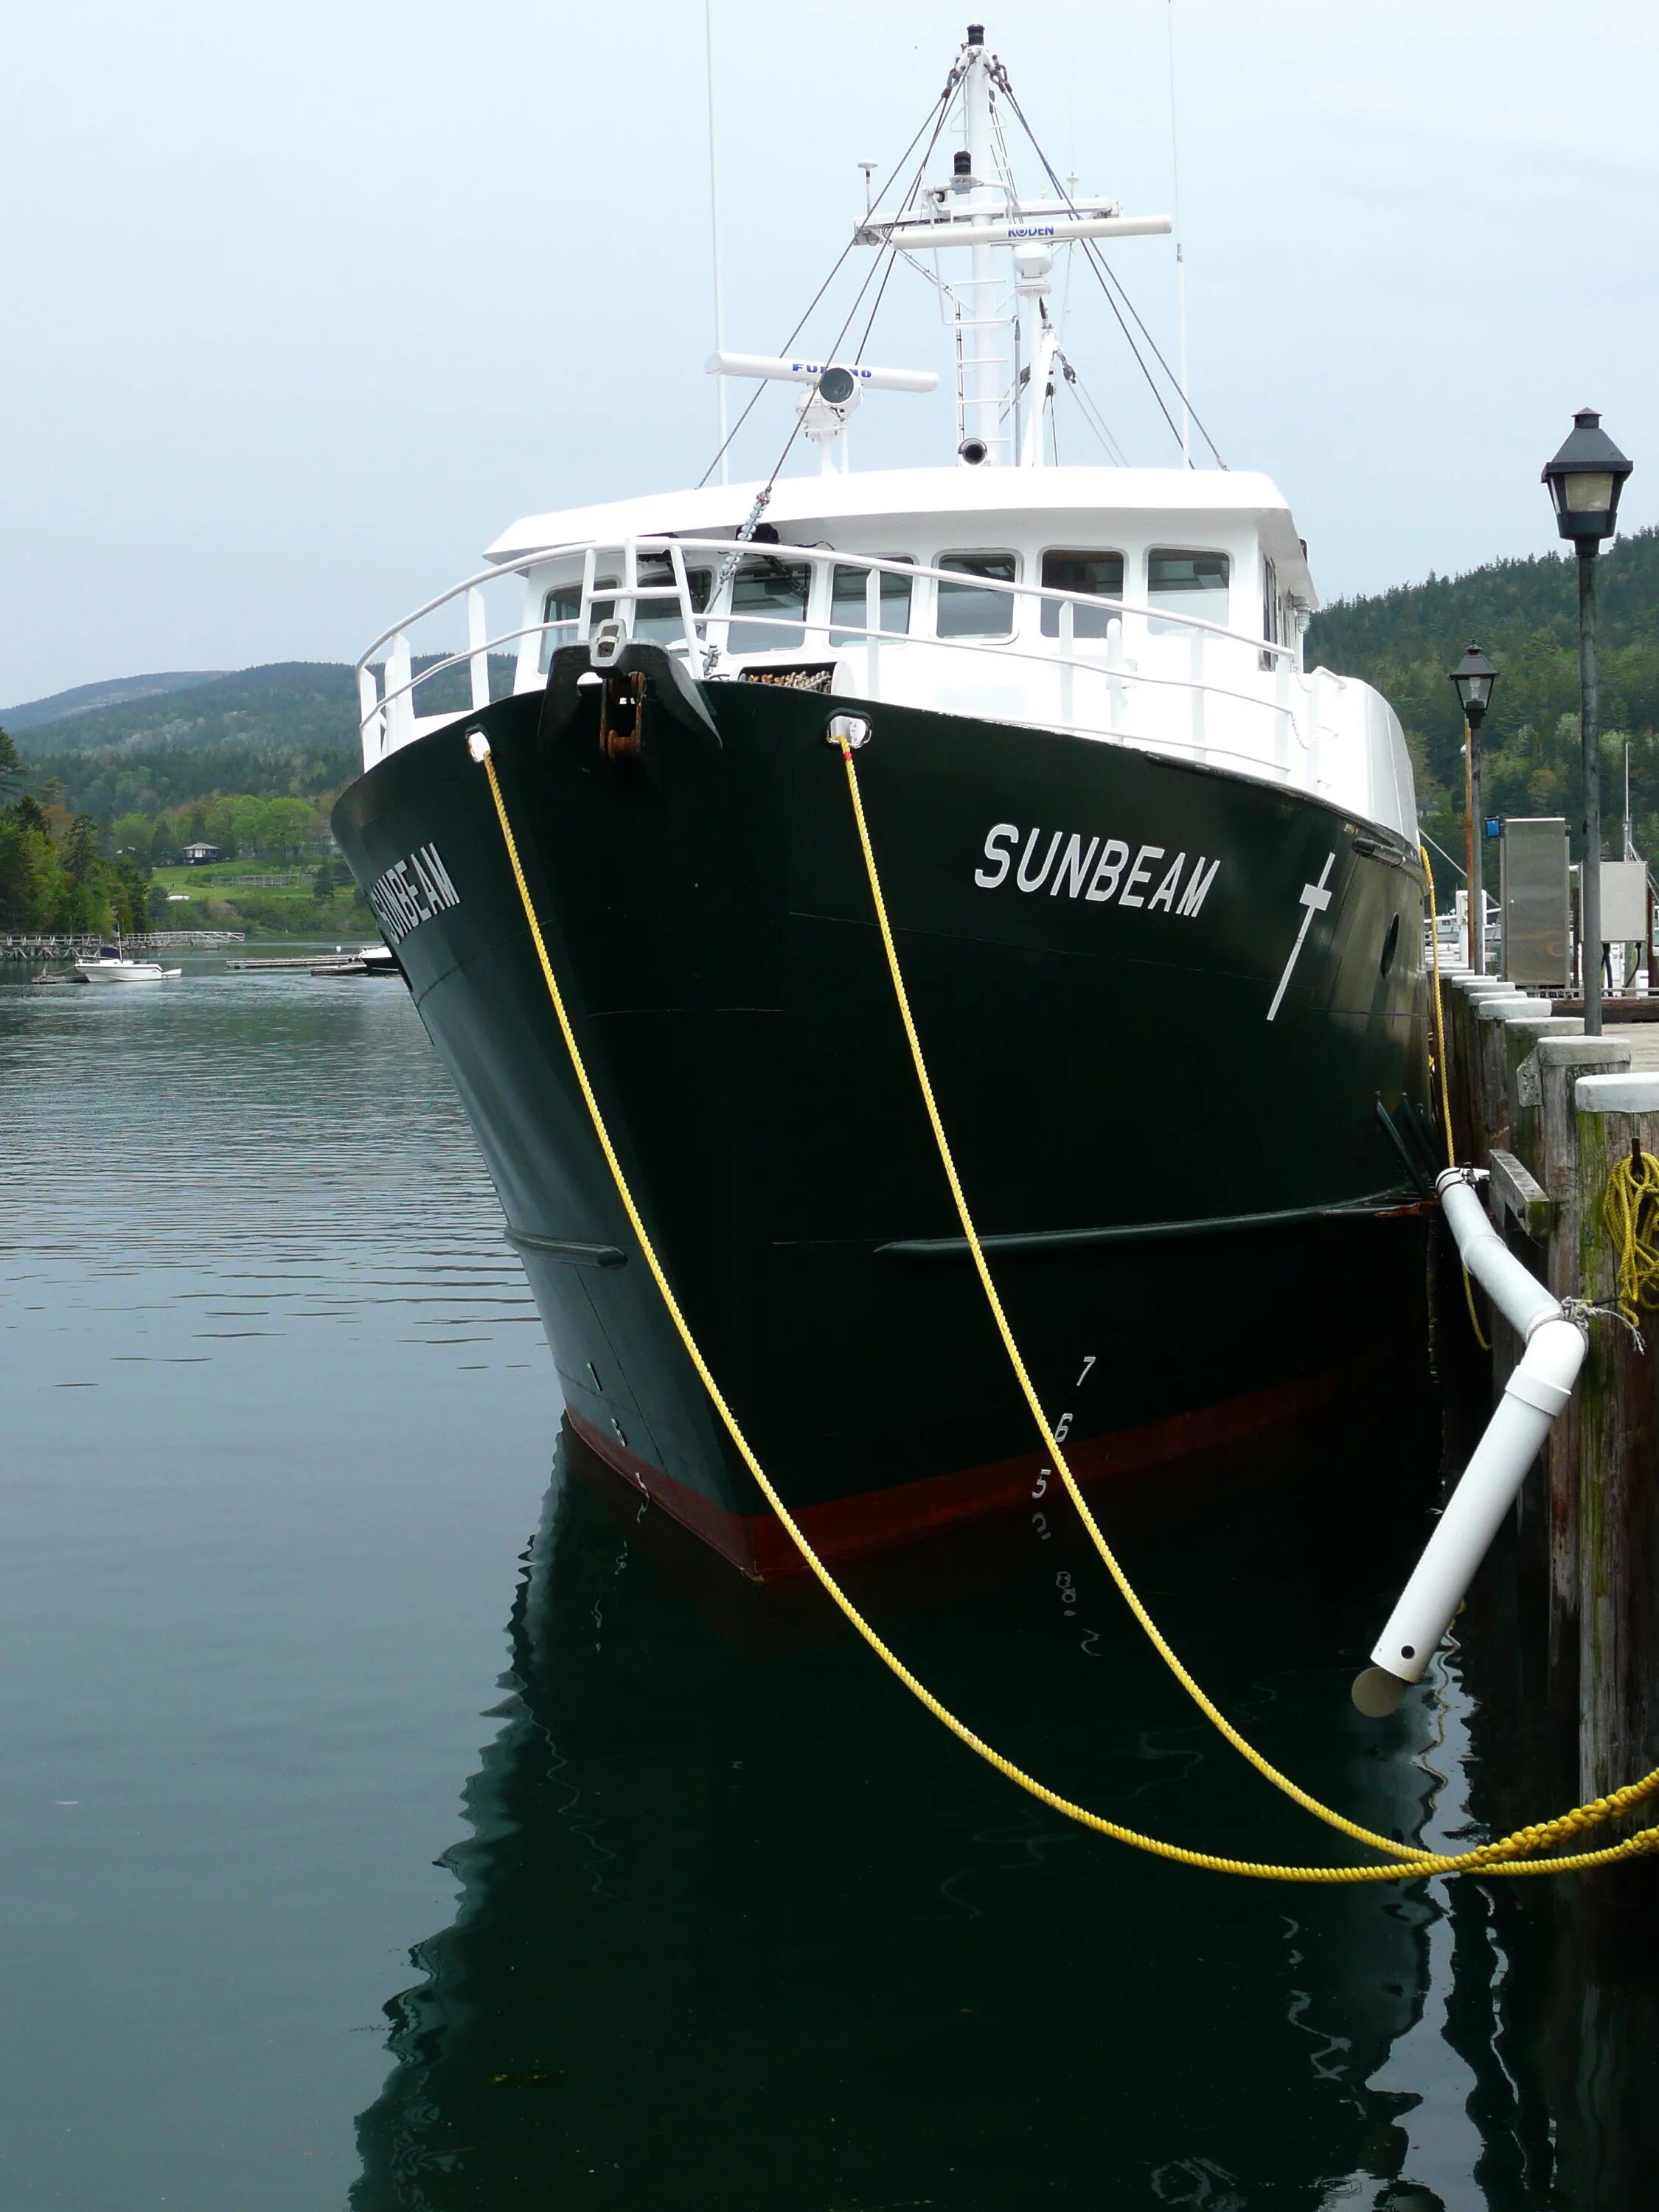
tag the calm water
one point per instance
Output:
(394, 1817)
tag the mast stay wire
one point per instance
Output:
(892, 254)
(1090, 407)
(1095, 266)
(883, 261)
(1109, 281)
(935, 115)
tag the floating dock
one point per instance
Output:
(319, 964)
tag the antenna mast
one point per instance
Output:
(1181, 245)
(982, 327)
(714, 231)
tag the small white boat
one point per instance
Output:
(112, 966)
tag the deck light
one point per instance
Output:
(1585, 479)
(1472, 679)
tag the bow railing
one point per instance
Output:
(1143, 675)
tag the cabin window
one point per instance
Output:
(1099, 574)
(774, 593)
(965, 611)
(661, 618)
(564, 604)
(848, 603)
(1271, 621)
(1186, 583)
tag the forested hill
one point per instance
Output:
(63, 706)
(1525, 613)
(288, 702)
(286, 730)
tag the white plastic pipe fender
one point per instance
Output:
(1536, 1392)
(1520, 1298)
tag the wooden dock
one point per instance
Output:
(44, 944)
(1549, 1112)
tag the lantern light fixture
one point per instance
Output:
(1585, 479)
(1473, 678)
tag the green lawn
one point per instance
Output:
(214, 878)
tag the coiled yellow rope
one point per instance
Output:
(1630, 1214)
(1501, 1858)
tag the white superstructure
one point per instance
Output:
(1163, 609)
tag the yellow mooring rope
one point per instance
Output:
(1503, 1857)
(1445, 1093)
(1630, 1214)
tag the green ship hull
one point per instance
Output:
(1175, 1021)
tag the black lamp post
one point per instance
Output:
(1585, 479)
(1473, 678)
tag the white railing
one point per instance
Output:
(1104, 692)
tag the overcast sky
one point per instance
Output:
(300, 306)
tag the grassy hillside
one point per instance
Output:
(1525, 613)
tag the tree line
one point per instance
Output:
(242, 826)
(54, 872)
(1525, 613)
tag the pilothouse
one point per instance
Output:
(1150, 875)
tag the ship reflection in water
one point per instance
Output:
(738, 1925)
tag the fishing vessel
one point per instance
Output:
(1154, 881)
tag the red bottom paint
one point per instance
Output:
(873, 1520)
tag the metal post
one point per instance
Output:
(1477, 852)
(715, 233)
(1589, 880)
(1472, 933)
(982, 397)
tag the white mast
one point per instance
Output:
(714, 228)
(1010, 244)
(1181, 246)
(982, 327)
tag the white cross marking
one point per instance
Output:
(1315, 900)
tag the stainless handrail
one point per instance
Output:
(713, 626)
(1068, 725)
(824, 555)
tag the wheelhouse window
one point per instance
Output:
(653, 618)
(1186, 583)
(661, 618)
(1271, 621)
(774, 594)
(965, 610)
(848, 603)
(1098, 575)
(564, 604)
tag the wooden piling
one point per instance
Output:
(1459, 996)
(1617, 1529)
(1511, 1095)
(1549, 1112)
(1489, 1068)
(1551, 1152)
